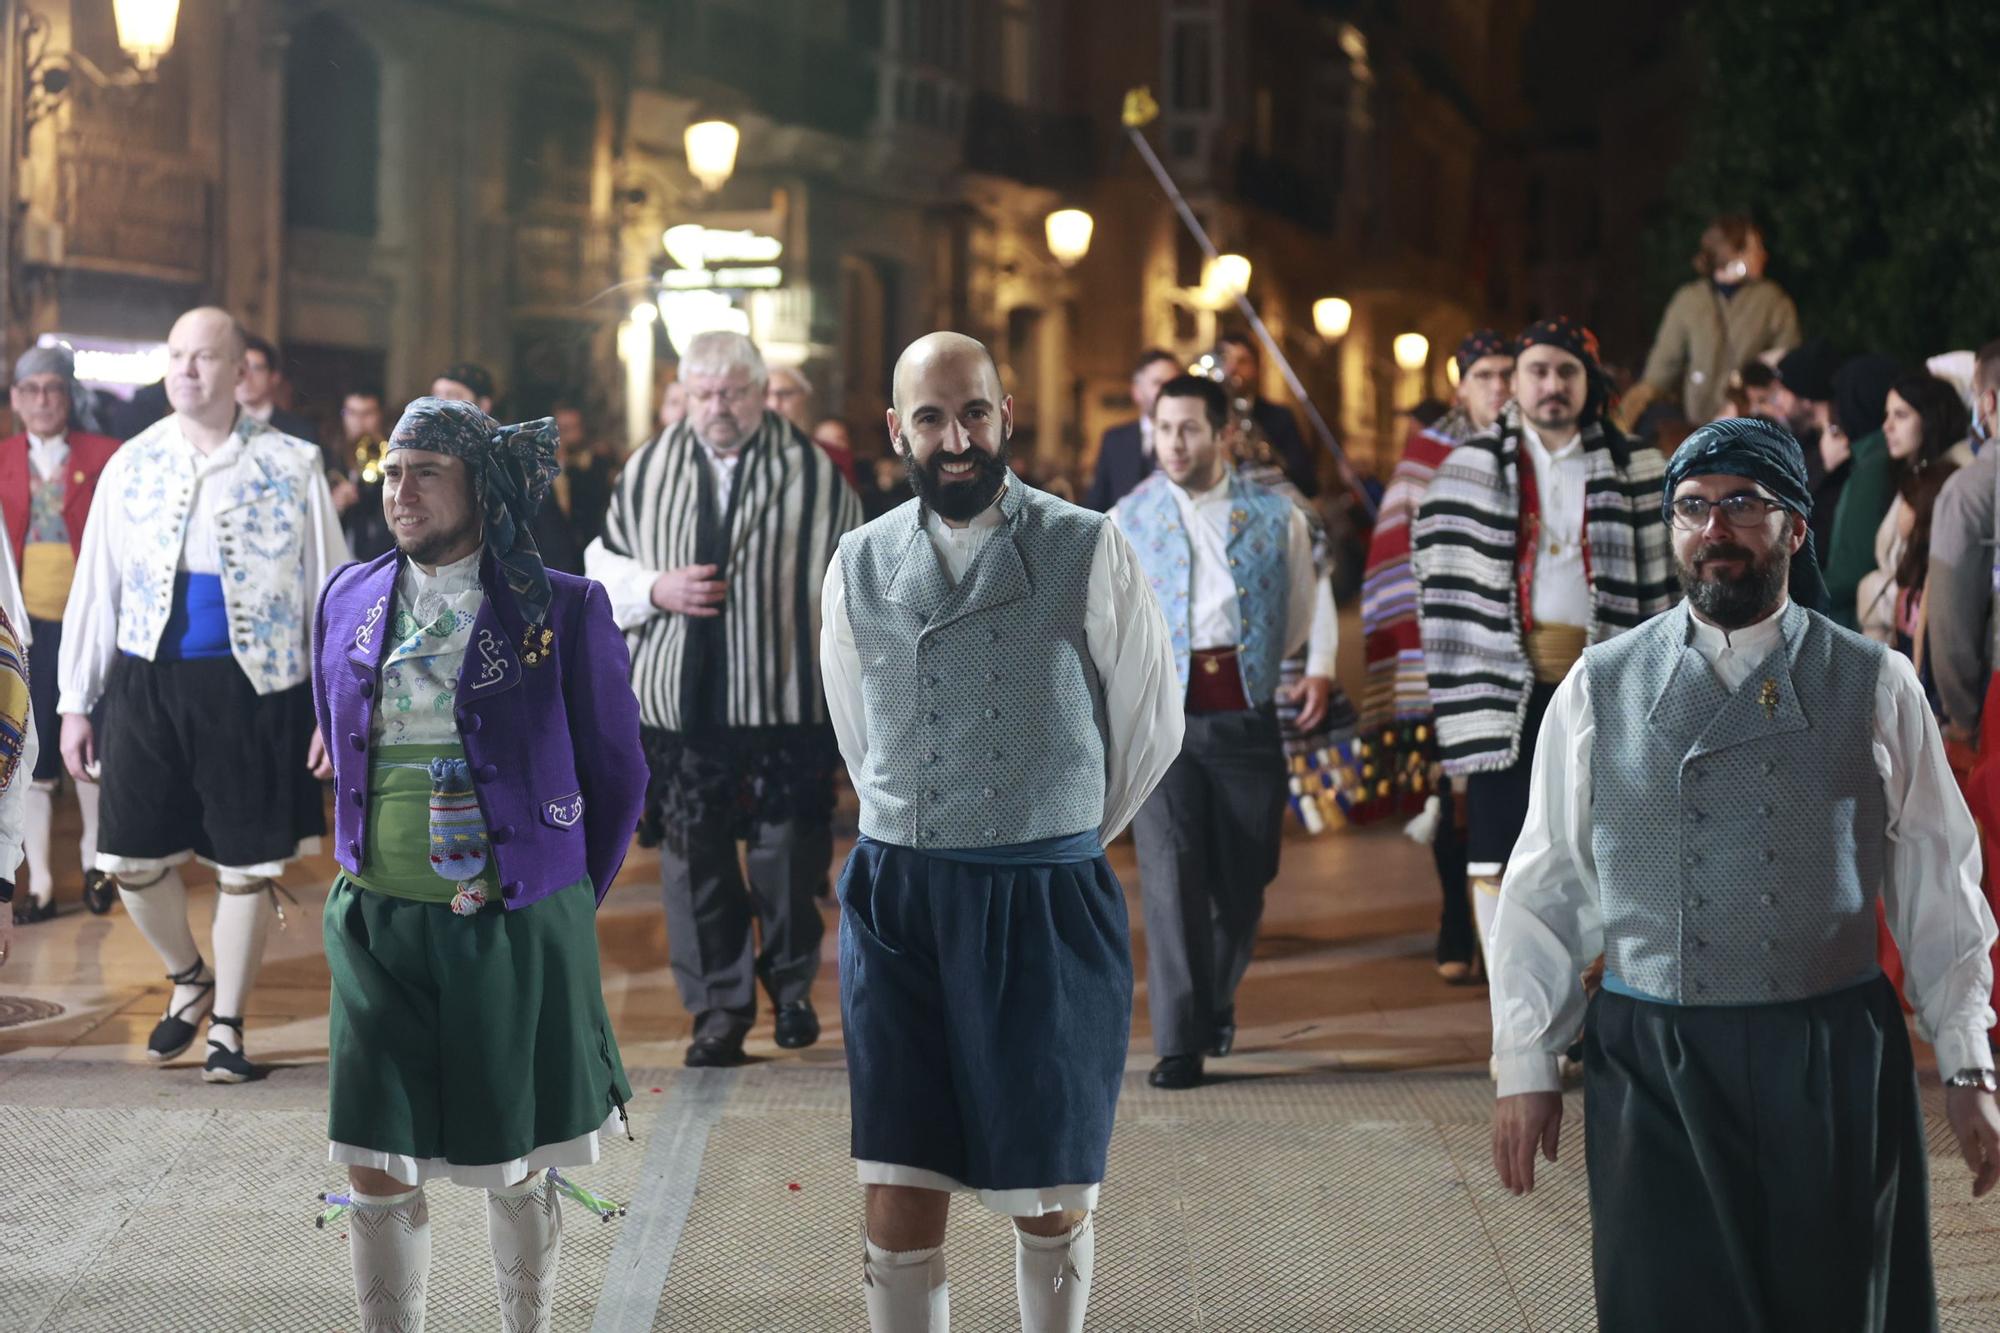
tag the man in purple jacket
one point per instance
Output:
(485, 747)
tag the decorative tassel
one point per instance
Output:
(339, 1205)
(604, 1208)
(1423, 830)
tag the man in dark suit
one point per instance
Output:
(257, 393)
(1125, 455)
(1242, 371)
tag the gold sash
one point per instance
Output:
(1553, 650)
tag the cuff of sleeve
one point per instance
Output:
(1962, 1050)
(66, 702)
(1320, 666)
(1526, 1071)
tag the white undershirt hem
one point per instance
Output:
(1032, 1202)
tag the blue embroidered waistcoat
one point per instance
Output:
(984, 710)
(1259, 539)
(1740, 839)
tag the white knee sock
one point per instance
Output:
(389, 1242)
(160, 911)
(524, 1223)
(1052, 1278)
(86, 801)
(242, 921)
(906, 1292)
(39, 803)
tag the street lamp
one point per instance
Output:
(711, 152)
(1411, 350)
(1069, 232)
(1224, 278)
(1332, 317)
(146, 29)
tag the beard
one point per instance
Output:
(1746, 599)
(956, 501)
(429, 548)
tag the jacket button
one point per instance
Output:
(354, 795)
(468, 721)
(367, 689)
(354, 848)
(356, 741)
(501, 836)
(488, 772)
(512, 890)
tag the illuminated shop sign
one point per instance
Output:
(711, 258)
(114, 364)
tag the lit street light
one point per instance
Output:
(1332, 317)
(1411, 350)
(711, 152)
(146, 29)
(1069, 232)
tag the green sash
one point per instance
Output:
(397, 859)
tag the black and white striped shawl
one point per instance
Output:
(789, 508)
(1468, 600)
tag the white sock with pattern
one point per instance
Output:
(524, 1223)
(389, 1242)
(1052, 1277)
(39, 805)
(907, 1292)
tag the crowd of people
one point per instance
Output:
(1694, 675)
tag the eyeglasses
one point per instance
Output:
(42, 389)
(727, 397)
(1739, 511)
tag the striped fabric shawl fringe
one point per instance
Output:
(787, 511)
(1475, 658)
(1396, 689)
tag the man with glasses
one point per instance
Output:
(1537, 536)
(1720, 799)
(714, 549)
(48, 474)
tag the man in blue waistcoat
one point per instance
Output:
(1720, 798)
(1231, 563)
(1004, 695)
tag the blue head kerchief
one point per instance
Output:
(512, 469)
(1765, 453)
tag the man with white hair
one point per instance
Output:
(714, 550)
(208, 540)
(790, 394)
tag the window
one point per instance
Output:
(1017, 51)
(333, 90)
(1190, 61)
(555, 138)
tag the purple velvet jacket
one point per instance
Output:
(553, 748)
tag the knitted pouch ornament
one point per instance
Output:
(458, 832)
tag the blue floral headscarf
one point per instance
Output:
(512, 469)
(1767, 454)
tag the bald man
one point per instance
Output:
(1004, 692)
(208, 539)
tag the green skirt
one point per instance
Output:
(470, 1047)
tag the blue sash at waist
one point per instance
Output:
(1617, 986)
(198, 625)
(1064, 849)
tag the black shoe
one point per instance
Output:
(1222, 1039)
(176, 1032)
(1175, 1072)
(31, 912)
(714, 1053)
(99, 891)
(226, 1065)
(797, 1025)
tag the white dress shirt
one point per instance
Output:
(47, 456)
(721, 472)
(1123, 627)
(1212, 611)
(1561, 584)
(1548, 925)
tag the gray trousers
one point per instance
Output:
(1208, 848)
(709, 911)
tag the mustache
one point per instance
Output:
(1725, 551)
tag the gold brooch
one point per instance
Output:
(536, 644)
(1768, 696)
(77, 477)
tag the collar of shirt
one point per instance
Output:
(1146, 436)
(458, 576)
(1750, 645)
(1533, 440)
(47, 455)
(726, 462)
(1201, 503)
(262, 414)
(225, 453)
(975, 529)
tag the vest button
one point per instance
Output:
(1770, 857)
(931, 757)
(1700, 943)
(992, 714)
(1769, 768)
(931, 795)
(1770, 946)
(931, 716)
(996, 756)
(989, 793)
(930, 680)
(992, 678)
(1697, 901)
(1694, 816)
(1700, 986)
(1765, 809)
(1694, 858)
(926, 835)
(992, 835)
(1765, 899)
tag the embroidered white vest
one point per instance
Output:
(261, 528)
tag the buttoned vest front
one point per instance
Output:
(1259, 544)
(1740, 839)
(984, 710)
(261, 528)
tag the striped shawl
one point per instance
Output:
(1468, 604)
(1396, 690)
(788, 510)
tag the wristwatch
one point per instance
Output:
(1983, 1079)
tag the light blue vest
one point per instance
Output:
(1739, 838)
(985, 713)
(1259, 539)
